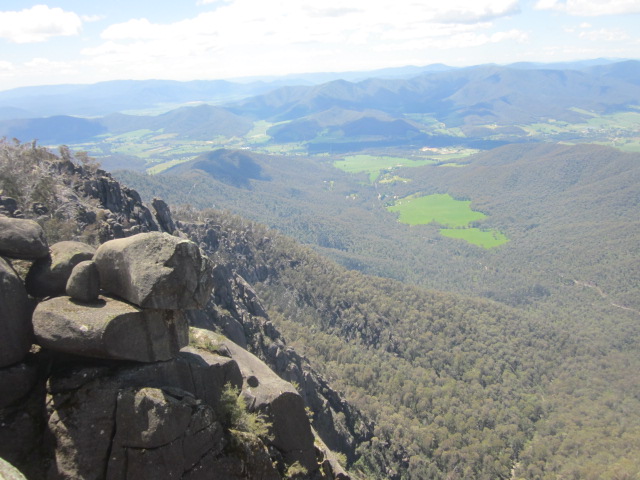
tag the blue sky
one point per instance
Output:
(80, 41)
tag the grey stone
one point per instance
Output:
(109, 329)
(216, 372)
(155, 270)
(137, 421)
(15, 316)
(250, 460)
(48, 276)
(39, 208)
(84, 282)
(282, 405)
(163, 215)
(161, 433)
(8, 205)
(16, 382)
(20, 238)
(150, 418)
(81, 425)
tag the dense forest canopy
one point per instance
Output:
(471, 388)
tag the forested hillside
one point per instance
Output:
(471, 388)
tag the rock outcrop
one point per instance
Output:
(22, 238)
(281, 403)
(237, 312)
(155, 270)
(163, 215)
(156, 420)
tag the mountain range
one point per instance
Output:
(482, 101)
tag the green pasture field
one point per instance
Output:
(482, 238)
(162, 166)
(445, 210)
(258, 133)
(454, 165)
(158, 149)
(374, 165)
(434, 126)
(438, 208)
(619, 130)
(134, 135)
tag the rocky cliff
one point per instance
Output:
(136, 355)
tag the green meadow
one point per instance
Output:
(482, 238)
(454, 214)
(438, 208)
(375, 165)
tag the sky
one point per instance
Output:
(85, 41)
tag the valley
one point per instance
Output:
(160, 150)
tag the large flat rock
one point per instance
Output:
(109, 329)
(155, 270)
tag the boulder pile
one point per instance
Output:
(97, 379)
(148, 280)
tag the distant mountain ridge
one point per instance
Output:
(107, 97)
(202, 122)
(473, 99)
(121, 95)
(482, 94)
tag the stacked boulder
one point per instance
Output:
(148, 279)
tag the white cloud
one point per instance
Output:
(43, 63)
(6, 67)
(591, 8)
(515, 35)
(474, 12)
(546, 5)
(455, 40)
(46, 67)
(245, 36)
(605, 35)
(38, 24)
(92, 18)
(136, 29)
(246, 22)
